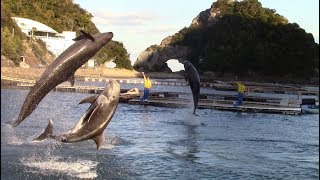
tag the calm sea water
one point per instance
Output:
(158, 143)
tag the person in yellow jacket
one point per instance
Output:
(241, 89)
(147, 87)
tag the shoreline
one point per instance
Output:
(35, 73)
(99, 72)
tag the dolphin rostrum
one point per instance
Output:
(193, 79)
(93, 122)
(62, 69)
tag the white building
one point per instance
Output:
(110, 64)
(91, 63)
(56, 42)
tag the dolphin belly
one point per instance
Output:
(94, 121)
(62, 69)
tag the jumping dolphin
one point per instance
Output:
(193, 79)
(93, 122)
(62, 69)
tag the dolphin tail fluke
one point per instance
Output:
(46, 133)
(99, 139)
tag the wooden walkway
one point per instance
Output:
(246, 107)
(219, 85)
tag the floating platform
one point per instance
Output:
(219, 106)
(176, 100)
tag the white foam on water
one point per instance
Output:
(81, 168)
(107, 146)
(191, 119)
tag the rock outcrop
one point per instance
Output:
(154, 58)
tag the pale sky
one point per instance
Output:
(141, 23)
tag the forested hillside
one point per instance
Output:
(239, 38)
(63, 15)
(14, 43)
(247, 39)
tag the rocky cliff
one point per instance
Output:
(154, 58)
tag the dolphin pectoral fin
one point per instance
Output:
(93, 112)
(89, 99)
(90, 111)
(71, 79)
(46, 133)
(185, 76)
(99, 140)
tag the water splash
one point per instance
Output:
(107, 146)
(10, 136)
(85, 169)
(191, 119)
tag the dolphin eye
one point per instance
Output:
(113, 96)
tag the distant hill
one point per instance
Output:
(61, 15)
(238, 38)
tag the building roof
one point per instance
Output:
(28, 24)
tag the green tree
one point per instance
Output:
(248, 39)
(64, 15)
(10, 46)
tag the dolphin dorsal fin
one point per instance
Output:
(89, 99)
(84, 36)
(99, 140)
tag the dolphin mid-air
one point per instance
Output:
(193, 79)
(94, 121)
(62, 69)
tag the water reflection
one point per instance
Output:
(145, 116)
(191, 143)
(186, 147)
